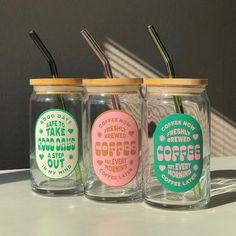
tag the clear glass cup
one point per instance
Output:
(112, 155)
(176, 147)
(56, 108)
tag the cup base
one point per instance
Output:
(120, 199)
(182, 206)
(58, 188)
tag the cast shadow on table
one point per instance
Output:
(223, 188)
(14, 177)
(223, 185)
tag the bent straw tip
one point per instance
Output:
(31, 32)
(150, 26)
(84, 31)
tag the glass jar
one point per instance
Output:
(176, 143)
(56, 108)
(113, 128)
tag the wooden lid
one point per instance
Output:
(169, 82)
(56, 81)
(105, 82)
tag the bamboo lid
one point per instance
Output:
(106, 82)
(56, 81)
(179, 82)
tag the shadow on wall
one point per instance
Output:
(126, 64)
(223, 135)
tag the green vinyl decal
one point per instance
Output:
(178, 152)
(56, 143)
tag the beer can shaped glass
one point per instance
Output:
(112, 151)
(176, 143)
(56, 108)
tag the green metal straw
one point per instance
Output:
(171, 73)
(53, 68)
(170, 68)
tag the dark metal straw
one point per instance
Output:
(102, 57)
(171, 73)
(38, 42)
(169, 65)
(53, 68)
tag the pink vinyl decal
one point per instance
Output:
(115, 148)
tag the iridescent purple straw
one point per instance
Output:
(102, 57)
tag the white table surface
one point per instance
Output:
(25, 213)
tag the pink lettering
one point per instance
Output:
(160, 153)
(167, 153)
(182, 152)
(197, 152)
(175, 153)
(190, 153)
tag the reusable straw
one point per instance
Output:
(171, 73)
(38, 42)
(169, 65)
(102, 57)
(106, 64)
(53, 68)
